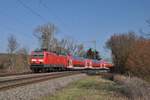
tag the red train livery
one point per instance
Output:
(44, 61)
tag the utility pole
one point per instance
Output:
(94, 43)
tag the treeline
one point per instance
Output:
(93, 54)
(48, 41)
(17, 58)
(130, 54)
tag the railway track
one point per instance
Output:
(21, 80)
(10, 74)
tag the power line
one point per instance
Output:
(93, 42)
(11, 29)
(8, 27)
(31, 10)
(14, 18)
(54, 15)
(48, 9)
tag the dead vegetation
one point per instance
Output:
(133, 87)
(46, 36)
(16, 59)
(21, 63)
(130, 54)
(89, 88)
(138, 62)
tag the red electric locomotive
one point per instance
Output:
(47, 61)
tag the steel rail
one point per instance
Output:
(12, 74)
(21, 82)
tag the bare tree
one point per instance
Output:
(148, 22)
(12, 44)
(62, 45)
(145, 34)
(139, 60)
(121, 46)
(12, 47)
(3, 62)
(23, 59)
(54, 45)
(67, 45)
(45, 35)
(70, 46)
(80, 50)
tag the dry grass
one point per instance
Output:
(91, 88)
(134, 88)
(20, 63)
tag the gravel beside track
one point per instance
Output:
(34, 91)
(15, 81)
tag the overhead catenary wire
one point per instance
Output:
(54, 15)
(31, 10)
(48, 9)
(16, 20)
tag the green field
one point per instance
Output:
(91, 88)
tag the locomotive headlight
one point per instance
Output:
(33, 59)
(40, 60)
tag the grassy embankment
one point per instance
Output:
(91, 88)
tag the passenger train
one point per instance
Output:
(45, 61)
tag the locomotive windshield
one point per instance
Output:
(38, 55)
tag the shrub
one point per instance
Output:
(121, 46)
(130, 54)
(138, 62)
(134, 88)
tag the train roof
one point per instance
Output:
(78, 58)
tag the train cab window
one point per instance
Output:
(38, 55)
